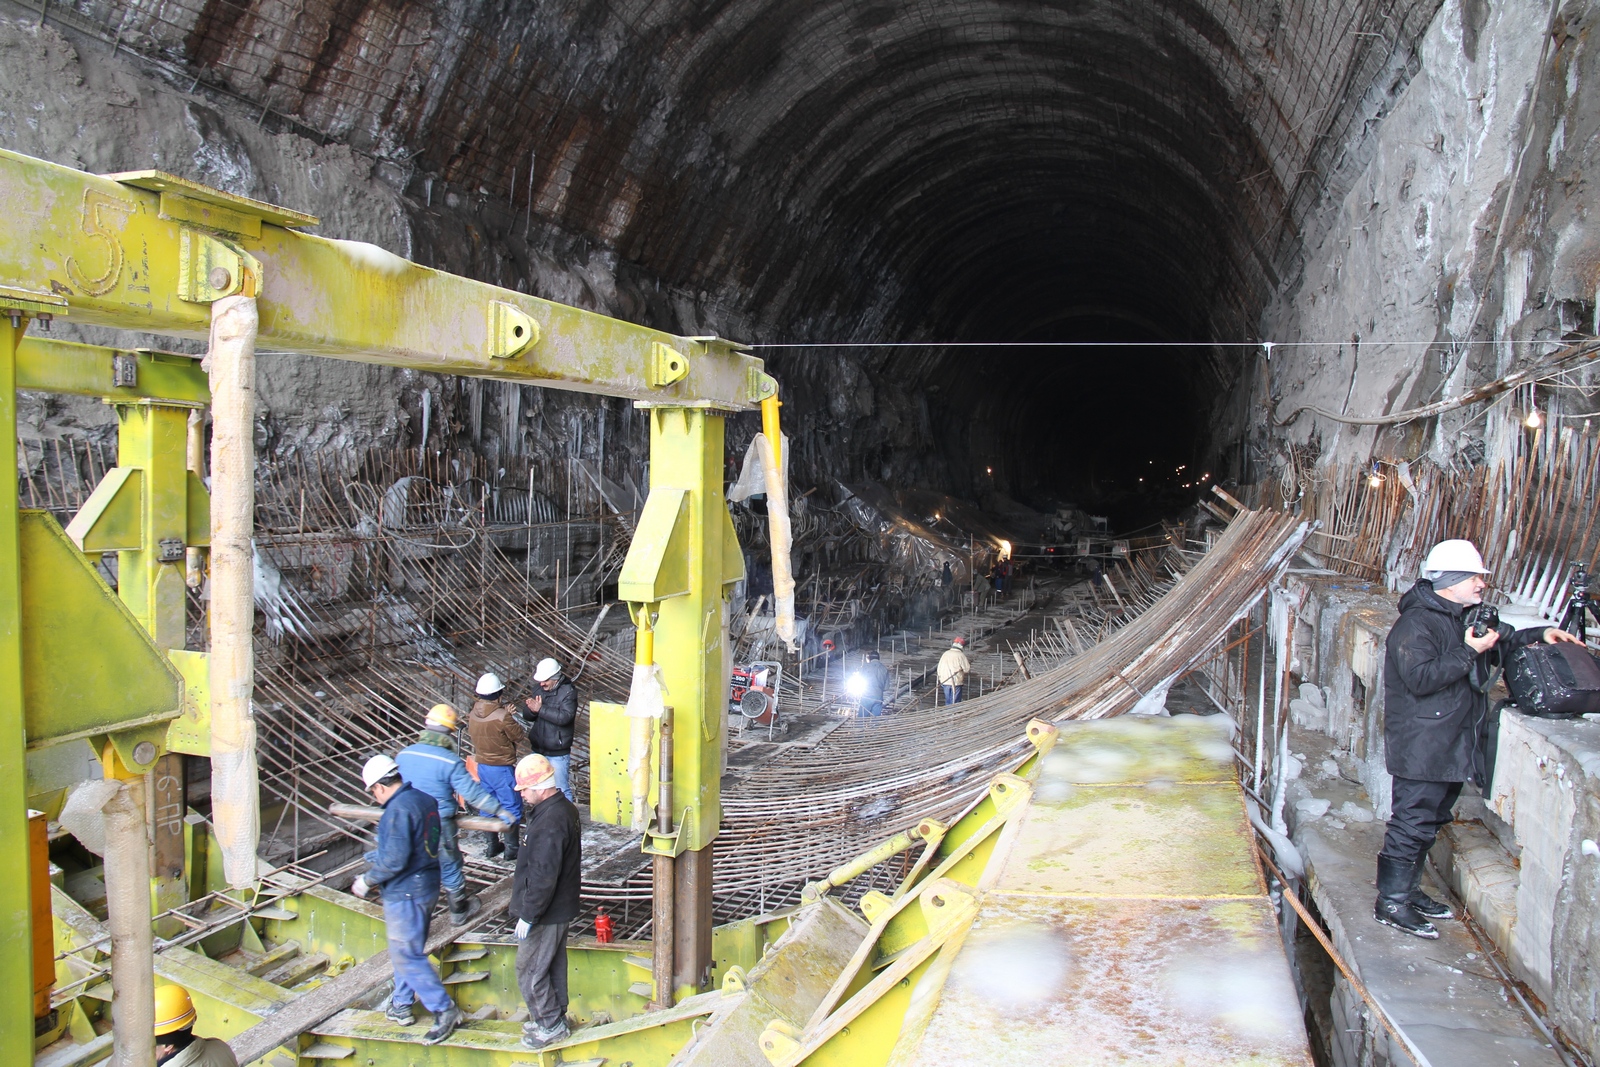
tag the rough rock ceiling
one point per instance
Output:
(950, 169)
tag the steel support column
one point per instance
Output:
(150, 579)
(16, 914)
(682, 563)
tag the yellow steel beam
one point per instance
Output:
(52, 366)
(149, 252)
(16, 918)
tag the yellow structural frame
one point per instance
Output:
(150, 252)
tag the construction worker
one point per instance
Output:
(405, 866)
(1435, 681)
(176, 1045)
(544, 899)
(868, 684)
(954, 666)
(554, 708)
(497, 743)
(433, 766)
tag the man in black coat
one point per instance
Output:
(1436, 676)
(555, 709)
(544, 899)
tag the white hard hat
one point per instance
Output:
(377, 769)
(546, 670)
(490, 684)
(1454, 555)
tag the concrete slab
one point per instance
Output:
(1091, 982)
(1441, 993)
(1188, 840)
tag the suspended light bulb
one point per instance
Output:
(989, 469)
(1375, 479)
(1005, 549)
(1534, 419)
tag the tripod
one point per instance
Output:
(1575, 620)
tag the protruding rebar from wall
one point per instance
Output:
(235, 802)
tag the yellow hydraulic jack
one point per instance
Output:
(157, 254)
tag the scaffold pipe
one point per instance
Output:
(235, 803)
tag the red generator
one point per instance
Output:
(753, 694)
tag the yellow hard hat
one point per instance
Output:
(533, 772)
(174, 1009)
(443, 715)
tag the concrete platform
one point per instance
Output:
(1442, 993)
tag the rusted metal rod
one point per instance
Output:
(365, 813)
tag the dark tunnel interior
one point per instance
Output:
(1070, 171)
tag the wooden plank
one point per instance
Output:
(304, 1012)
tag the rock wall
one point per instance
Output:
(1465, 244)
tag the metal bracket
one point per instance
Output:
(1009, 792)
(210, 268)
(15, 303)
(124, 371)
(170, 550)
(512, 331)
(109, 520)
(667, 365)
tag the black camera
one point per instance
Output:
(1482, 618)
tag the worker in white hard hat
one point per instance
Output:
(1436, 676)
(405, 868)
(498, 741)
(954, 666)
(176, 1043)
(544, 900)
(434, 766)
(555, 709)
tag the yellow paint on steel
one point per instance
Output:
(88, 666)
(106, 252)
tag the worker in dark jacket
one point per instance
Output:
(555, 709)
(869, 685)
(405, 866)
(544, 899)
(497, 743)
(1436, 675)
(433, 766)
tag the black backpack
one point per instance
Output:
(1554, 681)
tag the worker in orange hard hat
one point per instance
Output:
(544, 898)
(176, 1043)
(434, 766)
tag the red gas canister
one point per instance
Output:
(602, 928)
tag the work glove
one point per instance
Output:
(522, 929)
(359, 887)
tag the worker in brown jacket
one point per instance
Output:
(497, 743)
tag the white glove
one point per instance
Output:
(359, 887)
(522, 929)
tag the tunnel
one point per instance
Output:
(373, 366)
(1103, 195)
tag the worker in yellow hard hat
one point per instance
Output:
(176, 1045)
(435, 767)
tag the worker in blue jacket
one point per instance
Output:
(433, 766)
(405, 867)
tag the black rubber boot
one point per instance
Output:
(491, 845)
(463, 905)
(512, 845)
(1394, 906)
(1422, 903)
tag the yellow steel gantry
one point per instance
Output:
(152, 252)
